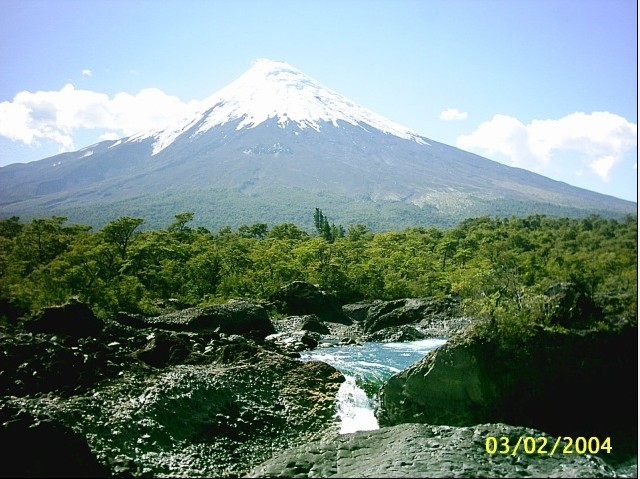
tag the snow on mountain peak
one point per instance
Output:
(271, 89)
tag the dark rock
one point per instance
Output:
(132, 319)
(309, 342)
(10, 311)
(301, 298)
(290, 323)
(32, 364)
(385, 314)
(331, 332)
(450, 386)
(212, 420)
(395, 334)
(234, 317)
(312, 324)
(237, 352)
(444, 328)
(165, 349)
(407, 319)
(357, 311)
(44, 448)
(418, 450)
(572, 373)
(71, 319)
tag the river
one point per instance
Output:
(366, 368)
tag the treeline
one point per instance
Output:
(495, 265)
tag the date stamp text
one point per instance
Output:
(543, 445)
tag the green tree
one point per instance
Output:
(358, 232)
(257, 231)
(120, 233)
(287, 231)
(10, 227)
(329, 232)
(180, 222)
(42, 240)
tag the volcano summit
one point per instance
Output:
(270, 147)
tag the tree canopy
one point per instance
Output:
(496, 266)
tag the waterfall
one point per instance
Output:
(366, 367)
(355, 409)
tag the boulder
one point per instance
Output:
(395, 334)
(134, 320)
(419, 450)
(235, 350)
(71, 319)
(452, 385)
(558, 381)
(357, 311)
(422, 312)
(234, 317)
(312, 324)
(302, 298)
(164, 349)
(44, 448)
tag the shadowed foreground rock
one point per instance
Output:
(562, 382)
(197, 420)
(419, 450)
(71, 319)
(32, 448)
(566, 381)
(153, 402)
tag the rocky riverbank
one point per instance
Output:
(147, 401)
(321, 322)
(218, 392)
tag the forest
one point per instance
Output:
(497, 267)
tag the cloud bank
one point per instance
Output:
(600, 138)
(57, 115)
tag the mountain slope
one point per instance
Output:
(274, 133)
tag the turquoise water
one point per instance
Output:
(366, 368)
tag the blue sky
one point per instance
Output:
(546, 85)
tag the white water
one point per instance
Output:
(355, 409)
(366, 368)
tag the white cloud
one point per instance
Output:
(599, 138)
(451, 114)
(58, 115)
(110, 135)
(86, 73)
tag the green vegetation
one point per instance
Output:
(500, 268)
(329, 232)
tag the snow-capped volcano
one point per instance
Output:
(271, 147)
(271, 89)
